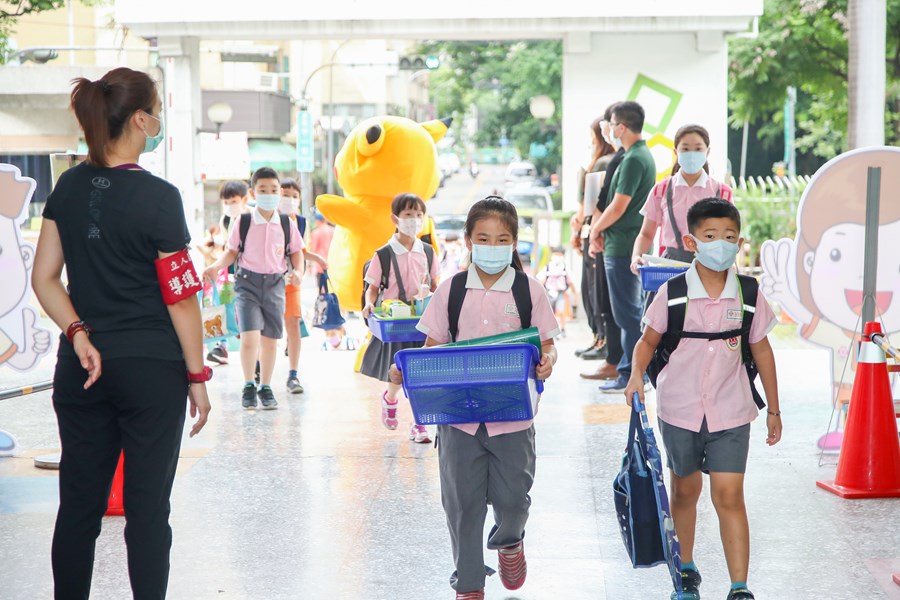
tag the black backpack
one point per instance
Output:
(244, 228)
(521, 292)
(386, 257)
(675, 331)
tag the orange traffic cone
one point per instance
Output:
(869, 465)
(115, 507)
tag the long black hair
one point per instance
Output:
(495, 206)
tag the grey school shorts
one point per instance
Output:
(259, 302)
(720, 452)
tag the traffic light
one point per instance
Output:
(419, 62)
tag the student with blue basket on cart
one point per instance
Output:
(397, 271)
(486, 457)
(709, 325)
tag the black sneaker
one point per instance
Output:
(248, 396)
(690, 585)
(218, 355)
(741, 594)
(598, 352)
(267, 398)
(293, 385)
(589, 348)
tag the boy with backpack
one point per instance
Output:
(704, 342)
(266, 245)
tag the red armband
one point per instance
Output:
(177, 277)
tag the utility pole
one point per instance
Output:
(866, 73)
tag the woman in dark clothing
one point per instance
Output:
(119, 231)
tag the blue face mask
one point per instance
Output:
(691, 162)
(267, 201)
(152, 142)
(492, 259)
(717, 255)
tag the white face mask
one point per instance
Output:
(410, 227)
(233, 210)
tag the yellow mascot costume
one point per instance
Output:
(382, 157)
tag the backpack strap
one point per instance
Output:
(243, 228)
(749, 292)
(286, 230)
(401, 289)
(429, 257)
(670, 207)
(454, 305)
(521, 291)
(384, 257)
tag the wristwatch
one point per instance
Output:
(201, 377)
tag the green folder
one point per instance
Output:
(523, 336)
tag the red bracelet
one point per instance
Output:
(74, 328)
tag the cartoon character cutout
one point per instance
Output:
(22, 343)
(817, 278)
(382, 157)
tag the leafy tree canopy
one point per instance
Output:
(499, 79)
(805, 44)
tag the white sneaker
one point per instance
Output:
(419, 434)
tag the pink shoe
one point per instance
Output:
(418, 434)
(479, 595)
(389, 412)
(513, 568)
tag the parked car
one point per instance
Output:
(520, 171)
(447, 224)
(529, 199)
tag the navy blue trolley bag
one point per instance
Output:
(642, 505)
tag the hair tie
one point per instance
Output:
(104, 86)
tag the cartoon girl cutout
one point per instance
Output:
(817, 278)
(22, 343)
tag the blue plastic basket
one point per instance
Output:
(654, 276)
(471, 384)
(396, 330)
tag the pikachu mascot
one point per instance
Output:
(382, 157)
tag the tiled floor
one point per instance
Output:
(317, 500)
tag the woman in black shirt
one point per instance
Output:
(107, 222)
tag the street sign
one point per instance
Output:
(305, 159)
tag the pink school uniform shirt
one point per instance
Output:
(264, 246)
(413, 266)
(707, 377)
(684, 196)
(488, 312)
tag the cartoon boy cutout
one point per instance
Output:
(20, 352)
(817, 278)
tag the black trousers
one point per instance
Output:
(597, 306)
(136, 406)
(589, 290)
(613, 333)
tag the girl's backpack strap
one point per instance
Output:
(521, 292)
(454, 305)
(670, 206)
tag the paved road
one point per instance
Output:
(460, 191)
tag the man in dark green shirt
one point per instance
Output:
(616, 229)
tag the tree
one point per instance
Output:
(496, 81)
(11, 11)
(805, 44)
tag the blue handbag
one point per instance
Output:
(327, 310)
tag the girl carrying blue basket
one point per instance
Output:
(483, 463)
(409, 265)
